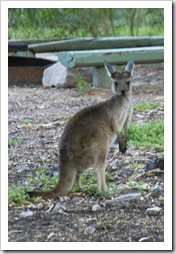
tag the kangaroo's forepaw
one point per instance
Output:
(122, 148)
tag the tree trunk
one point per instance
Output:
(132, 19)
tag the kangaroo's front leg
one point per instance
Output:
(122, 141)
(123, 145)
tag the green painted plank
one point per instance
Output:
(113, 56)
(97, 43)
(33, 41)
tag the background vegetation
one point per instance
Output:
(67, 23)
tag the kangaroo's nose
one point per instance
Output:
(123, 92)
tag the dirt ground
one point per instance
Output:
(81, 217)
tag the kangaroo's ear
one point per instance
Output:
(130, 67)
(110, 70)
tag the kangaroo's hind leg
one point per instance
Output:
(101, 167)
(77, 179)
(101, 181)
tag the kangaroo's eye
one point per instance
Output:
(115, 83)
(128, 83)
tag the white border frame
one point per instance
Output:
(167, 244)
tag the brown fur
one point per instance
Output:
(89, 133)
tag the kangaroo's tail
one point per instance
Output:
(65, 183)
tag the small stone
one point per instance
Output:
(157, 191)
(55, 170)
(144, 239)
(25, 214)
(157, 163)
(130, 239)
(40, 205)
(127, 197)
(96, 207)
(113, 162)
(22, 167)
(89, 230)
(40, 107)
(58, 206)
(59, 209)
(50, 235)
(153, 210)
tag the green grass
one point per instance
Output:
(17, 194)
(12, 142)
(30, 122)
(134, 165)
(44, 32)
(27, 122)
(46, 122)
(41, 160)
(81, 85)
(143, 107)
(135, 185)
(42, 178)
(88, 185)
(36, 121)
(148, 135)
(35, 33)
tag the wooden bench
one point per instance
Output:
(22, 47)
(142, 50)
(96, 58)
(94, 43)
(86, 52)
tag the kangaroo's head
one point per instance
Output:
(120, 80)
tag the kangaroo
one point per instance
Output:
(89, 133)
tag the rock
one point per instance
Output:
(58, 208)
(113, 163)
(25, 214)
(157, 163)
(153, 210)
(22, 167)
(144, 239)
(55, 170)
(104, 226)
(157, 191)
(127, 197)
(96, 207)
(50, 235)
(55, 76)
(89, 230)
(58, 75)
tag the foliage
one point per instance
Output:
(134, 165)
(12, 142)
(135, 185)
(149, 135)
(142, 107)
(27, 122)
(17, 194)
(81, 85)
(73, 22)
(42, 178)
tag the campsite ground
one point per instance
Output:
(113, 218)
